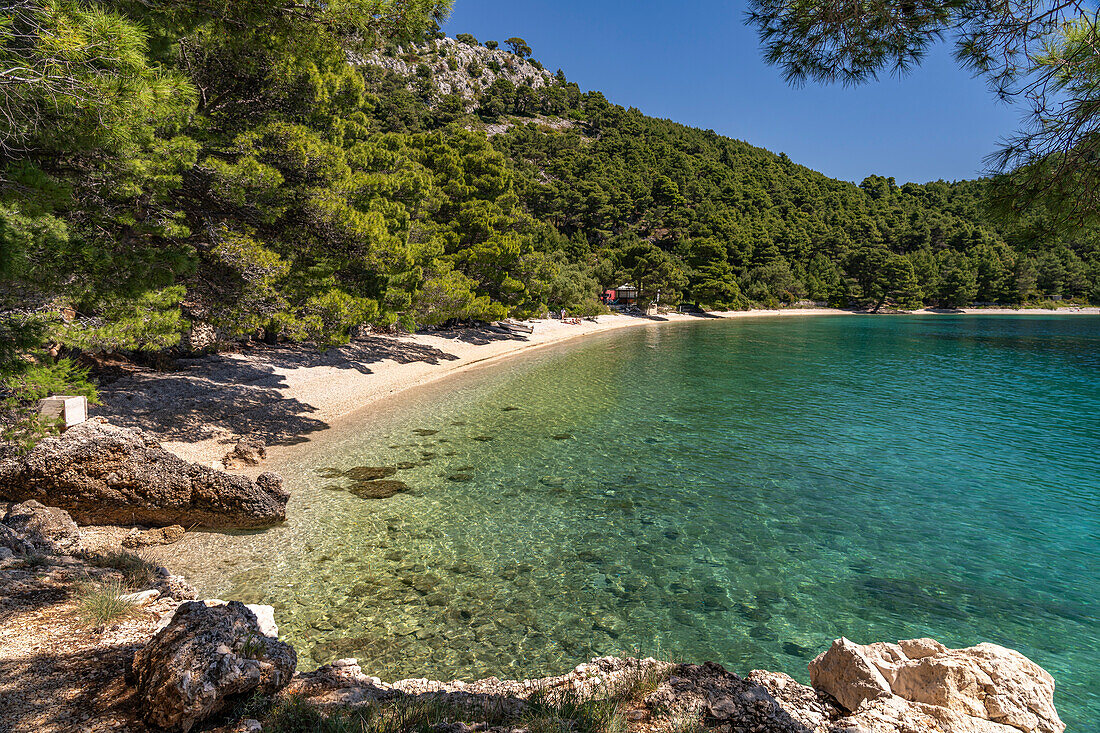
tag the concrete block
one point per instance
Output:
(71, 410)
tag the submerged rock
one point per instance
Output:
(370, 473)
(209, 654)
(424, 432)
(157, 536)
(483, 438)
(379, 489)
(102, 474)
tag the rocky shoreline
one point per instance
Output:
(95, 639)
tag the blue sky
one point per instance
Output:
(697, 63)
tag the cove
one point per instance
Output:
(737, 491)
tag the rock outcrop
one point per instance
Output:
(30, 527)
(102, 474)
(247, 452)
(209, 654)
(921, 685)
(723, 700)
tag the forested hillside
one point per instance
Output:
(280, 173)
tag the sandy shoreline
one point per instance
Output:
(287, 394)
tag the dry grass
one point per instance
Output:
(102, 604)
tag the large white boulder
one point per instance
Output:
(983, 688)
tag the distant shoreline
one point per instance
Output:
(290, 393)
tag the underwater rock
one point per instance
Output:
(508, 409)
(424, 432)
(370, 473)
(460, 477)
(406, 465)
(562, 436)
(483, 438)
(383, 489)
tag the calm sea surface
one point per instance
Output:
(739, 491)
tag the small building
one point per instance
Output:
(626, 295)
(608, 295)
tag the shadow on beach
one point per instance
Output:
(240, 393)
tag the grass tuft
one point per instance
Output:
(138, 572)
(569, 711)
(635, 682)
(100, 605)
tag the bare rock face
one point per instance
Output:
(102, 474)
(923, 685)
(210, 654)
(40, 528)
(728, 702)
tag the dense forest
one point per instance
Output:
(279, 173)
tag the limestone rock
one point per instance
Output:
(248, 451)
(209, 654)
(42, 528)
(846, 673)
(139, 538)
(805, 704)
(728, 702)
(922, 684)
(102, 474)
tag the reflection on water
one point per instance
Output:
(736, 491)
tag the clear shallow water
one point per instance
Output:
(741, 491)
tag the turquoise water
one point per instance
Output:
(740, 491)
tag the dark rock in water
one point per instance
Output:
(629, 480)
(752, 613)
(763, 633)
(562, 436)
(652, 440)
(428, 455)
(379, 489)
(370, 473)
(394, 555)
(460, 477)
(465, 469)
(103, 474)
(795, 650)
(451, 453)
(406, 465)
(508, 409)
(425, 432)
(483, 438)
(589, 556)
(552, 481)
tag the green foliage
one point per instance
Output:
(233, 167)
(102, 604)
(519, 47)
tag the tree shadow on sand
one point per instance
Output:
(241, 393)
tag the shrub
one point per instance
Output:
(99, 605)
(137, 571)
